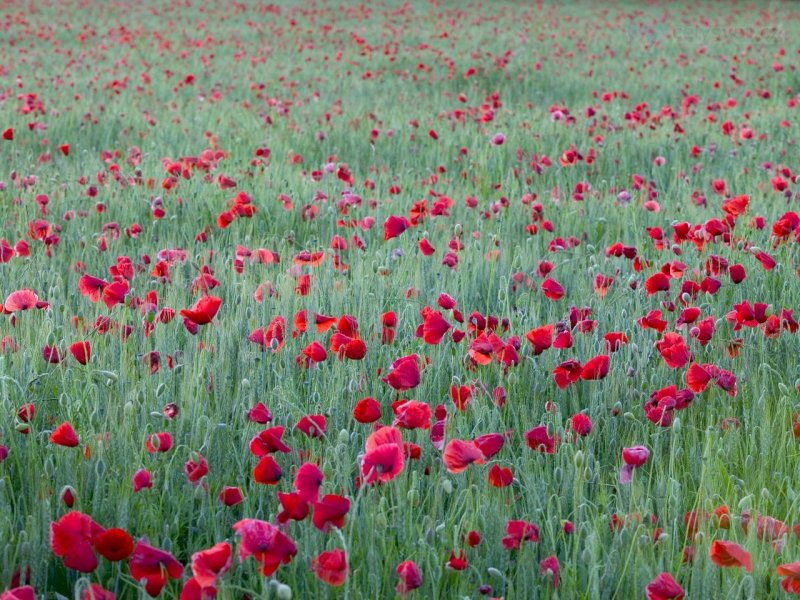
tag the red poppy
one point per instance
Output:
(457, 562)
(552, 289)
(394, 226)
(549, 566)
(538, 439)
(267, 471)
(384, 458)
(24, 592)
(633, 458)
(581, 424)
(208, 565)
(265, 543)
(230, 496)
(331, 567)
(541, 338)
(673, 350)
(114, 544)
(518, 532)
(791, 574)
(259, 414)
(142, 480)
(294, 507)
(307, 482)
(21, 300)
(367, 410)
(114, 293)
(490, 444)
(500, 476)
(410, 414)
(269, 441)
(155, 566)
(72, 538)
(404, 373)
(595, 368)
(159, 442)
(313, 425)
(664, 587)
(196, 469)
(203, 311)
(64, 435)
(730, 554)
(82, 351)
(459, 454)
(566, 373)
(95, 592)
(330, 512)
(434, 326)
(312, 354)
(410, 577)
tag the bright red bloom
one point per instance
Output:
(581, 424)
(673, 350)
(159, 442)
(367, 410)
(595, 368)
(82, 351)
(457, 562)
(459, 454)
(541, 338)
(730, 554)
(307, 482)
(64, 435)
(196, 469)
(72, 538)
(208, 565)
(538, 439)
(268, 545)
(566, 373)
(404, 373)
(658, 282)
(267, 471)
(313, 425)
(330, 512)
(518, 532)
(142, 480)
(384, 458)
(21, 300)
(312, 354)
(410, 414)
(500, 476)
(394, 226)
(24, 592)
(552, 289)
(331, 567)
(664, 587)
(203, 311)
(550, 566)
(155, 566)
(410, 577)
(791, 572)
(94, 592)
(268, 442)
(114, 544)
(230, 496)
(434, 327)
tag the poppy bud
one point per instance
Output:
(447, 486)
(578, 459)
(676, 425)
(68, 496)
(283, 592)
(344, 436)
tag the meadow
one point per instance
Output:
(399, 299)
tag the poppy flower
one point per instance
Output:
(434, 327)
(196, 469)
(330, 512)
(331, 567)
(267, 544)
(294, 507)
(459, 454)
(394, 226)
(500, 476)
(156, 567)
(114, 293)
(410, 414)
(552, 289)
(259, 414)
(230, 496)
(312, 354)
(268, 442)
(81, 351)
(791, 574)
(51, 354)
(367, 410)
(410, 577)
(633, 458)
(730, 554)
(518, 532)
(403, 374)
(24, 592)
(72, 538)
(64, 435)
(267, 471)
(457, 562)
(159, 442)
(208, 565)
(567, 372)
(203, 311)
(21, 300)
(114, 544)
(313, 425)
(595, 368)
(581, 424)
(142, 480)
(541, 338)
(664, 587)
(538, 439)
(490, 443)
(384, 458)
(307, 482)
(673, 350)
(549, 566)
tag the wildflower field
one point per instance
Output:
(425, 299)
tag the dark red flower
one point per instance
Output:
(331, 567)
(114, 544)
(154, 566)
